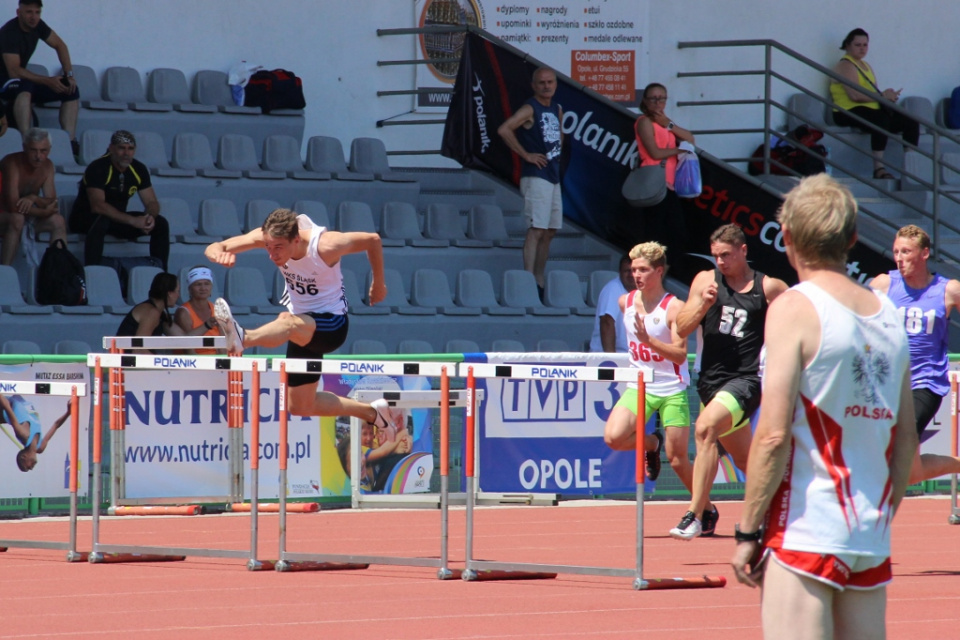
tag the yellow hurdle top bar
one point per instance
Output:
(364, 367)
(177, 363)
(553, 371)
(166, 342)
(30, 388)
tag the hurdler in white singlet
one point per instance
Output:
(311, 285)
(835, 494)
(668, 377)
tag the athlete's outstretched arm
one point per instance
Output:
(333, 245)
(225, 252)
(53, 429)
(703, 293)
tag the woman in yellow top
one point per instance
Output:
(195, 316)
(854, 68)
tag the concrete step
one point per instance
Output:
(462, 199)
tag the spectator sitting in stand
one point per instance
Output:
(609, 334)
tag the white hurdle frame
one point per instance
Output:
(74, 391)
(116, 363)
(493, 570)
(290, 561)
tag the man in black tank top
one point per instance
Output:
(729, 304)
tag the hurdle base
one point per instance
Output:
(114, 558)
(472, 575)
(954, 518)
(309, 565)
(274, 507)
(76, 556)
(3, 549)
(449, 574)
(703, 582)
(261, 565)
(156, 510)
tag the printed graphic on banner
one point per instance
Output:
(397, 458)
(595, 43)
(35, 445)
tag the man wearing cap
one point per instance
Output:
(23, 88)
(101, 205)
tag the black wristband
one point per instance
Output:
(740, 536)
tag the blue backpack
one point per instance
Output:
(952, 116)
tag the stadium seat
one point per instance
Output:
(368, 347)
(244, 287)
(72, 347)
(475, 289)
(810, 110)
(103, 289)
(485, 222)
(93, 144)
(355, 216)
(444, 223)
(192, 151)
(563, 291)
(519, 289)
(256, 211)
(369, 155)
(152, 152)
(210, 87)
(315, 210)
(401, 222)
(920, 107)
(218, 218)
(138, 283)
(236, 152)
(325, 155)
(123, 84)
(598, 280)
(90, 91)
(23, 347)
(508, 346)
(61, 153)
(548, 345)
(355, 300)
(431, 288)
(177, 213)
(169, 86)
(282, 153)
(12, 298)
(396, 299)
(414, 346)
(459, 345)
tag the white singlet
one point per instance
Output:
(835, 494)
(313, 286)
(668, 377)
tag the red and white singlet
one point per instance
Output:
(668, 378)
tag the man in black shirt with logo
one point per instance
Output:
(730, 304)
(101, 205)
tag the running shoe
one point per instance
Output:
(709, 520)
(233, 331)
(652, 458)
(380, 406)
(688, 529)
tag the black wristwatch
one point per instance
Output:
(740, 536)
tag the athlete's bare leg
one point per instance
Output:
(298, 329)
(712, 421)
(677, 454)
(793, 607)
(620, 432)
(305, 400)
(932, 465)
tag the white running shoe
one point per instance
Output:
(380, 406)
(233, 331)
(688, 529)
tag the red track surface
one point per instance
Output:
(205, 598)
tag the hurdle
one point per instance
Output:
(116, 363)
(954, 509)
(290, 561)
(482, 570)
(74, 391)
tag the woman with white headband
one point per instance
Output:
(195, 316)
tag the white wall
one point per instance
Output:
(333, 46)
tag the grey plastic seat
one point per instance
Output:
(11, 297)
(103, 289)
(325, 155)
(430, 288)
(218, 218)
(256, 211)
(475, 289)
(177, 213)
(210, 87)
(123, 84)
(315, 210)
(810, 110)
(236, 152)
(138, 283)
(505, 345)
(401, 222)
(519, 289)
(152, 152)
(192, 151)
(72, 347)
(459, 345)
(169, 86)
(282, 153)
(396, 298)
(355, 300)
(355, 216)
(919, 106)
(414, 346)
(563, 291)
(598, 280)
(90, 91)
(552, 345)
(61, 153)
(93, 144)
(369, 155)
(365, 346)
(22, 347)
(244, 287)
(445, 223)
(485, 222)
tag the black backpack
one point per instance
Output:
(277, 89)
(60, 277)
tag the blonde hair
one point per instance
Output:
(821, 215)
(915, 233)
(653, 252)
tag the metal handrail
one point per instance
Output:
(938, 133)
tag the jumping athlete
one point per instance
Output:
(308, 256)
(21, 415)
(729, 304)
(649, 316)
(925, 301)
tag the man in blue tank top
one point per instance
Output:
(925, 301)
(534, 134)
